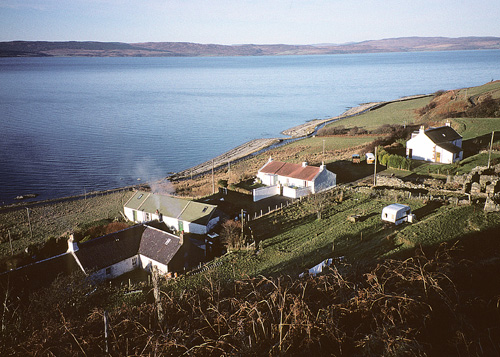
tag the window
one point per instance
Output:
(108, 271)
(140, 196)
(134, 262)
(147, 216)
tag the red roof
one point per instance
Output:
(286, 169)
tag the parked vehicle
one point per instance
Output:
(356, 159)
(397, 213)
(370, 158)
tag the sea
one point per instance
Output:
(74, 125)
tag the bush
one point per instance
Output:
(222, 183)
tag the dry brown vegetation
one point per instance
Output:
(442, 303)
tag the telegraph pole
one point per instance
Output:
(29, 222)
(213, 177)
(375, 169)
(491, 145)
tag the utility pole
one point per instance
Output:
(491, 145)
(375, 169)
(29, 222)
(10, 241)
(213, 178)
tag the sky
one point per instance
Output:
(244, 21)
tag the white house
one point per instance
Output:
(177, 213)
(397, 213)
(443, 145)
(294, 180)
(115, 254)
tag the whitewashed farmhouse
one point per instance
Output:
(177, 213)
(293, 180)
(137, 247)
(107, 257)
(443, 145)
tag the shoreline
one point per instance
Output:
(240, 152)
(297, 132)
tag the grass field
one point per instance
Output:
(392, 113)
(472, 127)
(332, 143)
(294, 240)
(460, 168)
(54, 220)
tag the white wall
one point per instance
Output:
(296, 192)
(325, 180)
(147, 264)
(267, 179)
(422, 148)
(265, 192)
(117, 269)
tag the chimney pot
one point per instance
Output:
(304, 164)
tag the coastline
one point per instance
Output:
(297, 132)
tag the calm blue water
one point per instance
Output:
(70, 125)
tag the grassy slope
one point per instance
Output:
(295, 240)
(393, 113)
(54, 220)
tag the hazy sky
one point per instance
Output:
(245, 21)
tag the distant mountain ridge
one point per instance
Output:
(188, 49)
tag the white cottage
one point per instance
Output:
(177, 213)
(295, 180)
(443, 145)
(137, 247)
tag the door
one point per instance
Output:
(410, 153)
(438, 156)
(181, 226)
(134, 215)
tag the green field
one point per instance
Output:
(294, 240)
(332, 143)
(392, 113)
(472, 127)
(52, 221)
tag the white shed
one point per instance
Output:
(397, 213)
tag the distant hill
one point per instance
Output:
(170, 49)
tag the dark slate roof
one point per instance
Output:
(41, 273)
(442, 134)
(450, 147)
(159, 245)
(287, 169)
(104, 251)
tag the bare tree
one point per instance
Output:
(231, 234)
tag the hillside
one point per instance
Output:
(169, 49)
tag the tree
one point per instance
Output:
(231, 234)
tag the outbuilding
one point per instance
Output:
(397, 213)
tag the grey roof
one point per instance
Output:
(107, 250)
(450, 147)
(442, 134)
(159, 245)
(169, 206)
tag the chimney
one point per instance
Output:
(72, 245)
(448, 123)
(422, 129)
(322, 166)
(304, 164)
(181, 237)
